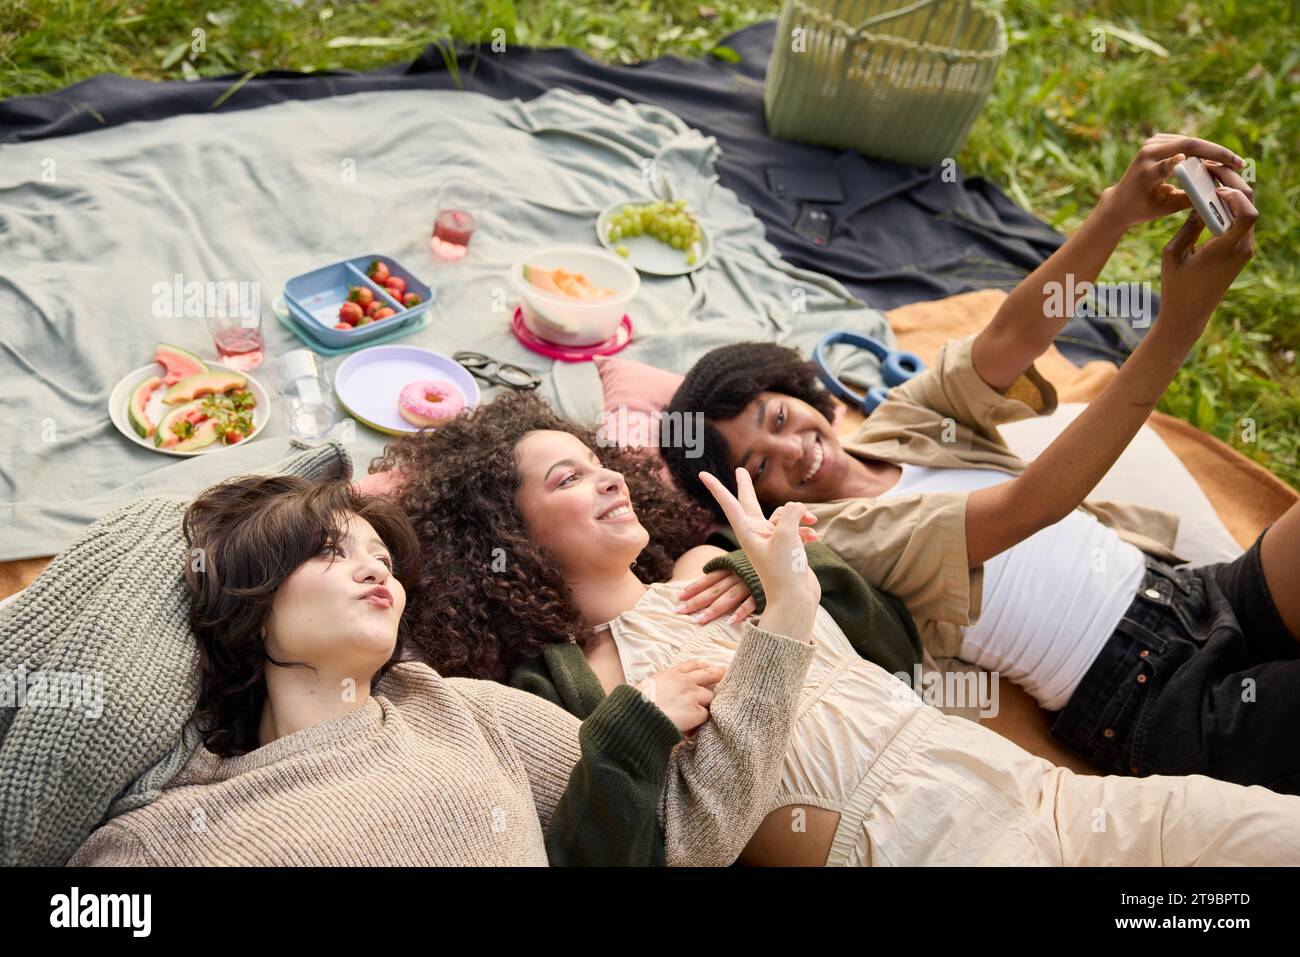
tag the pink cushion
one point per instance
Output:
(641, 387)
(642, 391)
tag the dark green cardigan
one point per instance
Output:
(609, 814)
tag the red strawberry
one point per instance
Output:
(396, 285)
(411, 299)
(351, 312)
(375, 305)
(378, 272)
(385, 313)
(343, 326)
(361, 295)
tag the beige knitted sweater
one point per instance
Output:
(114, 604)
(451, 771)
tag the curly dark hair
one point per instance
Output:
(719, 386)
(254, 532)
(490, 598)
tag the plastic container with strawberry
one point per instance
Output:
(363, 306)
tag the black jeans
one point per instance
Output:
(1200, 677)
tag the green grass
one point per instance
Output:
(1062, 124)
(1064, 121)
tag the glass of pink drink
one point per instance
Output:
(460, 205)
(234, 314)
(240, 348)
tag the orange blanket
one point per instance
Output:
(1246, 496)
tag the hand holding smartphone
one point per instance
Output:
(1203, 191)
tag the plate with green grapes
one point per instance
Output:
(658, 237)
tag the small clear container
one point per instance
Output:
(307, 395)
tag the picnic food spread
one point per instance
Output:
(426, 402)
(203, 405)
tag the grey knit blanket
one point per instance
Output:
(97, 674)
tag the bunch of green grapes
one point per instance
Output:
(669, 222)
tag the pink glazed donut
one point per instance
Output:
(429, 401)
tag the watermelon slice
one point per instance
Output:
(205, 433)
(205, 383)
(140, 420)
(180, 424)
(178, 363)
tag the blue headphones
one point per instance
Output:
(896, 367)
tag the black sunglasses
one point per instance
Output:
(497, 373)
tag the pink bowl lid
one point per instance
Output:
(619, 340)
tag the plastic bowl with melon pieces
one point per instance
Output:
(139, 401)
(576, 295)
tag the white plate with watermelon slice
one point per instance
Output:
(179, 404)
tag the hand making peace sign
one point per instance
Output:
(773, 545)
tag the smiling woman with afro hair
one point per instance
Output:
(719, 387)
(491, 597)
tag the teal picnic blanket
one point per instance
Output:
(94, 226)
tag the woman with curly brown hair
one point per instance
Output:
(872, 775)
(322, 747)
(480, 555)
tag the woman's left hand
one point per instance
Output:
(1142, 193)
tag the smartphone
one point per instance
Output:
(1201, 189)
(815, 224)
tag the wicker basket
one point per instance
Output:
(901, 83)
